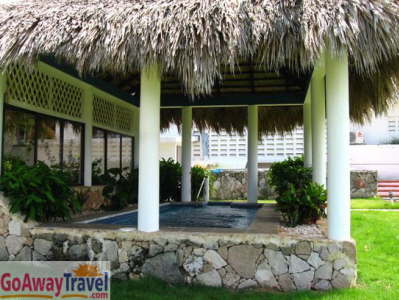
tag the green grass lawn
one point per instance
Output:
(368, 203)
(374, 203)
(377, 237)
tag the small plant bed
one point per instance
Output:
(38, 192)
(98, 213)
(305, 231)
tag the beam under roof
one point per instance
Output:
(250, 86)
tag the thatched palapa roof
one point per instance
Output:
(196, 39)
(272, 119)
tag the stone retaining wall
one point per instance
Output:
(232, 260)
(364, 184)
(229, 185)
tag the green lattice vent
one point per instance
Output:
(108, 114)
(67, 99)
(40, 92)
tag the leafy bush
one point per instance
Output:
(71, 171)
(198, 174)
(304, 206)
(170, 173)
(121, 187)
(38, 192)
(97, 175)
(289, 172)
(299, 200)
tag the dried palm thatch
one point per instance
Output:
(196, 39)
(272, 119)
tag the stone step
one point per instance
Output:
(387, 194)
(388, 182)
(382, 185)
(392, 180)
(388, 188)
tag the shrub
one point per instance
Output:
(170, 173)
(299, 200)
(289, 172)
(198, 174)
(71, 172)
(121, 187)
(38, 192)
(97, 172)
(304, 206)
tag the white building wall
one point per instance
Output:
(382, 158)
(230, 151)
(381, 129)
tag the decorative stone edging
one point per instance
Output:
(232, 260)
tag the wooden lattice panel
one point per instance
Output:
(37, 91)
(28, 87)
(103, 112)
(112, 116)
(44, 92)
(67, 99)
(123, 118)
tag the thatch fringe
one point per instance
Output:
(196, 39)
(272, 119)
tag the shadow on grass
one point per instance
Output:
(154, 289)
(377, 238)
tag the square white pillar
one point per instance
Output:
(318, 111)
(150, 99)
(307, 131)
(88, 136)
(252, 153)
(338, 126)
(187, 120)
(136, 146)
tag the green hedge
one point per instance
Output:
(299, 200)
(38, 192)
(122, 187)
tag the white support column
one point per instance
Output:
(150, 96)
(88, 137)
(136, 149)
(338, 125)
(307, 130)
(252, 153)
(187, 119)
(3, 83)
(318, 129)
(206, 189)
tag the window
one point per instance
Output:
(98, 153)
(113, 150)
(110, 150)
(72, 149)
(19, 135)
(48, 142)
(34, 137)
(127, 152)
